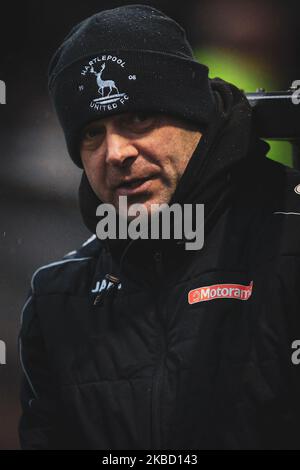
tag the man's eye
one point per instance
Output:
(141, 120)
(141, 117)
(92, 133)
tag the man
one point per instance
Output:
(143, 344)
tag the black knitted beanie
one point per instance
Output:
(131, 58)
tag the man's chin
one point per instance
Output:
(130, 208)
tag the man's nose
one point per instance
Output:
(119, 148)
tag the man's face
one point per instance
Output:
(141, 156)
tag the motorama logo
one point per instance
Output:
(220, 291)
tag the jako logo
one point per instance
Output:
(220, 291)
(102, 285)
(2, 92)
(2, 353)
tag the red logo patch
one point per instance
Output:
(220, 291)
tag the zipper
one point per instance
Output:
(159, 375)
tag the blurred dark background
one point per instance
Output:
(251, 43)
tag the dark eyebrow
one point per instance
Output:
(93, 123)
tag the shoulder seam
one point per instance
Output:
(83, 248)
(56, 263)
(89, 240)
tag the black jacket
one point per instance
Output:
(151, 360)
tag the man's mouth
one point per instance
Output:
(134, 186)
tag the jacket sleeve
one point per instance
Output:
(37, 423)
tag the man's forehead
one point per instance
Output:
(123, 116)
(115, 117)
(107, 120)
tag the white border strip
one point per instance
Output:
(25, 371)
(24, 308)
(89, 240)
(287, 213)
(20, 349)
(254, 98)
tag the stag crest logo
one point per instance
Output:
(109, 95)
